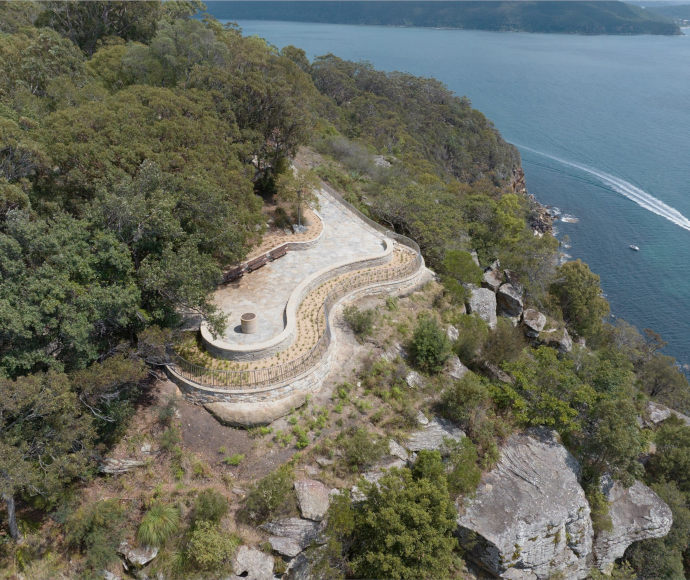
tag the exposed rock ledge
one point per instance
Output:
(530, 514)
(637, 513)
(530, 518)
(253, 415)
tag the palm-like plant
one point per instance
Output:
(159, 523)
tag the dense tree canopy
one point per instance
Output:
(137, 148)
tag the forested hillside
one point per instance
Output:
(573, 17)
(138, 148)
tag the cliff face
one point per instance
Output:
(530, 518)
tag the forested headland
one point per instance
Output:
(577, 17)
(139, 148)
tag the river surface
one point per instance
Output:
(603, 126)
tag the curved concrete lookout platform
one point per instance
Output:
(275, 291)
(288, 346)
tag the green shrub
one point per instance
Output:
(170, 438)
(460, 266)
(361, 448)
(96, 530)
(268, 495)
(281, 220)
(211, 549)
(404, 528)
(504, 343)
(302, 437)
(463, 461)
(430, 347)
(234, 459)
(159, 523)
(601, 518)
(210, 506)
(360, 321)
(466, 401)
(473, 332)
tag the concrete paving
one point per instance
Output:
(266, 291)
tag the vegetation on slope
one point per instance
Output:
(135, 160)
(607, 17)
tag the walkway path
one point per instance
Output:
(266, 291)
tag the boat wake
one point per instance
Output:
(626, 189)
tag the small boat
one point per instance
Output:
(634, 247)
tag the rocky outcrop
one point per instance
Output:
(431, 437)
(290, 536)
(312, 499)
(509, 301)
(253, 415)
(530, 517)
(452, 333)
(414, 380)
(116, 466)
(533, 322)
(253, 564)
(454, 368)
(637, 513)
(397, 450)
(657, 413)
(557, 338)
(513, 279)
(482, 302)
(492, 279)
(137, 557)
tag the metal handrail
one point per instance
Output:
(258, 378)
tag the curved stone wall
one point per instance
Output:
(309, 381)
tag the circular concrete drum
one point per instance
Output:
(249, 323)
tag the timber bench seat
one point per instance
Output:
(233, 274)
(256, 263)
(279, 252)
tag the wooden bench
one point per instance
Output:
(256, 263)
(233, 274)
(279, 252)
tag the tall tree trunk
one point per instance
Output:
(12, 517)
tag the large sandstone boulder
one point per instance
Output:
(454, 368)
(513, 279)
(482, 302)
(557, 338)
(290, 536)
(137, 557)
(116, 466)
(492, 279)
(657, 413)
(509, 301)
(253, 414)
(530, 517)
(312, 498)
(253, 564)
(637, 513)
(533, 322)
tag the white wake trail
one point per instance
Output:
(627, 189)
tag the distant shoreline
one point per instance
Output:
(577, 17)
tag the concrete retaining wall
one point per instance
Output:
(309, 381)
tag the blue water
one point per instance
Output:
(603, 126)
